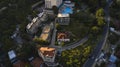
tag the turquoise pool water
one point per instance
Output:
(67, 10)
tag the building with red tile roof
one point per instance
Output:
(47, 54)
(61, 36)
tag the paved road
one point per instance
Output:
(75, 44)
(97, 50)
(54, 35)
(71, 46)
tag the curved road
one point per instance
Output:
(97, 50)
(74, 45)
(71, 46)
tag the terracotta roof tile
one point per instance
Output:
(46, 51)
(62, 36)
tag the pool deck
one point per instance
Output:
(64, 9)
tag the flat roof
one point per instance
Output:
(63, 15)
(67, 1)
(44, 36)
(34, 19)
(112, 58)
(32, 22)
(40, 14)
(11, 54)
(45, 32)
(46, 29)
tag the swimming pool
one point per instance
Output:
(67, 10)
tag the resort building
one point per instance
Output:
(47, 54)
(62, 37)
(50, 11)
(67, 7)
(69, 3)
(43, 16)
(50, 3)
(36, 22)
(65, 10)
(63, 19)
(46, 32)
(12, 56)
(31, 27)
(113, 58)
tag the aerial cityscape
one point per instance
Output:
(59, 33)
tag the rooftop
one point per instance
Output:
(46, 51)
(112, 58)
(32, 22)
(34, 19)
(45, 33)
(11, 54)
(40, 14)
(44, 36)
(63, 15)
(46, 29)
(37, 62)
(67, 1)
(62, 35)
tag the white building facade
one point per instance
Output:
(51, 3)
(63, 19)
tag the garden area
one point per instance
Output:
(77, 56)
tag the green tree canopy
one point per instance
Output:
(99, 13)
(100, 17)
(95, 29)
